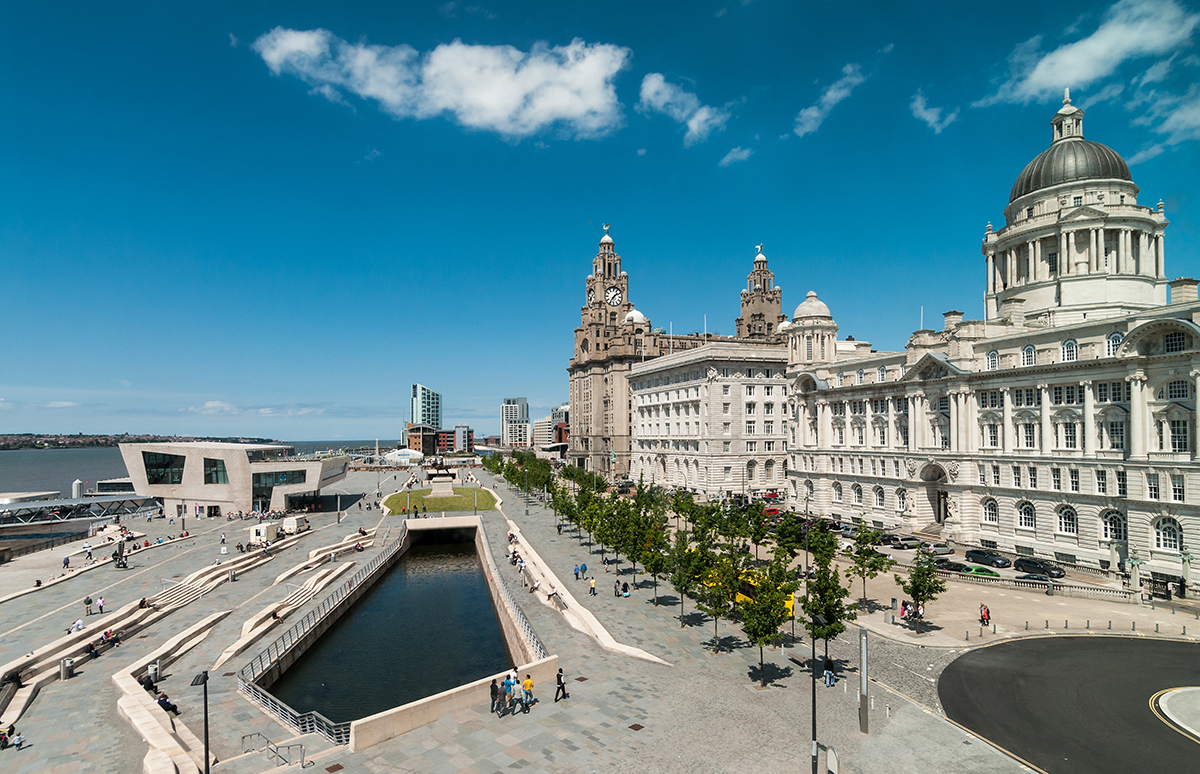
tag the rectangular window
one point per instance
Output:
(1069, 435)
(1057, 398)
(767, 390)
(1101, 482)
(1056, 479)
(1017, 476)
(1177, 488)
(727, 472)
(1179, 435)
(749, 428)
(1122, 484)
(983, 475)
(769, 446)
(988, 543)
(1077, 201)
(751, 446)
(768, 427)
(993, 432)
(768, 408)
(749, 387)
(725, 428)
(214, 472)
(1074, 477)
(1116, 435)
(1152, 486)
(725, 408)
(1029, 430)
(896, 468)
(1052, 259)
(725, 388)
(1032, 477)
(1174, 342)
(860, 433)
(1069, 392)
(163, 468)
(904, 436)
(725, 446)
(749, 408)
(1102, 392)
(995, 475)
(841, 436)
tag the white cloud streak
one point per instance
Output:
(659, 96)
(1131, 29)
(931, 116)
(736, 155)
(1178, 119)
(1111, 91)
(810, 118)
(490, 88)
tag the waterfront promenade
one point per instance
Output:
(703, 713)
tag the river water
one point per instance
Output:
(426, 627)
(54, 470)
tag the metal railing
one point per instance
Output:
(1062, 589)
(308, 722)
(515, 611)
(281, 754)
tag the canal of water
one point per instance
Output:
(427, 626)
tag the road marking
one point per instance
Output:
(918, 674)
(1169, 722)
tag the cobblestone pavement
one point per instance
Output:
(705, 713)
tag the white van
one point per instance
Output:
(294, 525)
(263, 532)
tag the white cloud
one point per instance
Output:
(1131, 29)
(60, 404)
(233, 41)
(492, 88)
(810, 118)
(736, 155)
(372, 155)
(1111, 91)
(1177, 117)
(221, 408)
(1157, 71)
(641, 151)
(659, 96)
(214, 407)
(931, 116)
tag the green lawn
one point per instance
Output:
(463, 500)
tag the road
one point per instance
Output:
(1075, 705)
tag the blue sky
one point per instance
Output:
(271, 220)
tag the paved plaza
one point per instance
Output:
(703, 713)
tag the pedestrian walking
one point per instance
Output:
(527, 692)
(66, 562)
(495, 690)
(829, 673)
(576, 572)
(583, 570)
(625, 589)
(18, 740)
(88, 547)
(100, 604)
(616, 588)
(592, 590)
(222, 538)
(561, 685)
(87, 605)
(559, 526)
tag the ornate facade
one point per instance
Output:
(1063, 425)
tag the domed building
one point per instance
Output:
(1063, 426)
(1076, 243)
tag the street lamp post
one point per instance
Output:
(817, 620)
(526, 490)
(202, 679)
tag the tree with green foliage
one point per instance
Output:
(923, 584)
(685, 568)
(758, 527)
(717, 592)
(824, 593)
(655, 553)
(766, 611)
(867, 561)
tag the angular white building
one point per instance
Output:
(1063, 425)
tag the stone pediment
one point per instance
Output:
(1086, 212)
(929, 367)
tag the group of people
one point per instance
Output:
(985, 615)
(909, 610)
(87, 604)
(10, 736)
(161, 698)
(504, 695)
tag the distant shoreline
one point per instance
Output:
(27, 441)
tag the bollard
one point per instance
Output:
(1172, 610)
(968, 638)
(1151, 603)
(1026, 626)
(1110, 625)
(1134, 626)
(889, 709)
(1047, 624)
(1156, 628)
(1066, 624)
(993, 628)
(858, 694)
(845, 686)
(981, 632)
(872, 702)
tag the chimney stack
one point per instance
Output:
(952, 319)
(1183, 290)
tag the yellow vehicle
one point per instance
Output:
(748, 590)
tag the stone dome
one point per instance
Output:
(635, 317)
(606, 240)
(811, 307)
(1068, 160)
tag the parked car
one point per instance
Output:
(949, 566)
(937, 548)
(987, 556)
(986, 572)
(1034, 578)
(903, 541)
(1038, 567)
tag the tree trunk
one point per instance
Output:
(715, 619)
(656, 591)
(680, 609)
(761, 672)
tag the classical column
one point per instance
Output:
(1196, 418)
(1070, 251)
(1122, 254)
(1007, 430)
(1028, 261)
(971, 401)
(1089, 419)
(824, 425)
(1145, 265)
(1062, 253)
(1047, 445)
(916, 422)
(991, 277)
(1137, 417)
(1160, 264)
(954, 422)
(1035, 264)
(1093, 250)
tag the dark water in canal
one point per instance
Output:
(427, 626)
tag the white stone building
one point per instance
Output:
(543, 432)
(712, 419)
(514, 422)
(1063, 425)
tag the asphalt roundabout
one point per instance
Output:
(1076, 705)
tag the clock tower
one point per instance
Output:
(606, 299)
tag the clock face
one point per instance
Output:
(612, 296)
(591, 297)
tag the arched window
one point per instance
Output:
(879, 497)
(1176, 390)
(1025, 516)
(882, 374)
(1112, 344)
(1028, 355)
(860, 377)
(856, 490)
(901, 500)
(837, 492)
(1068, 522)
(1166, 535)
(991, 512)
(841, 380)
(769, 470)
(993, 360)
(1070, 351)
(1114, 526)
